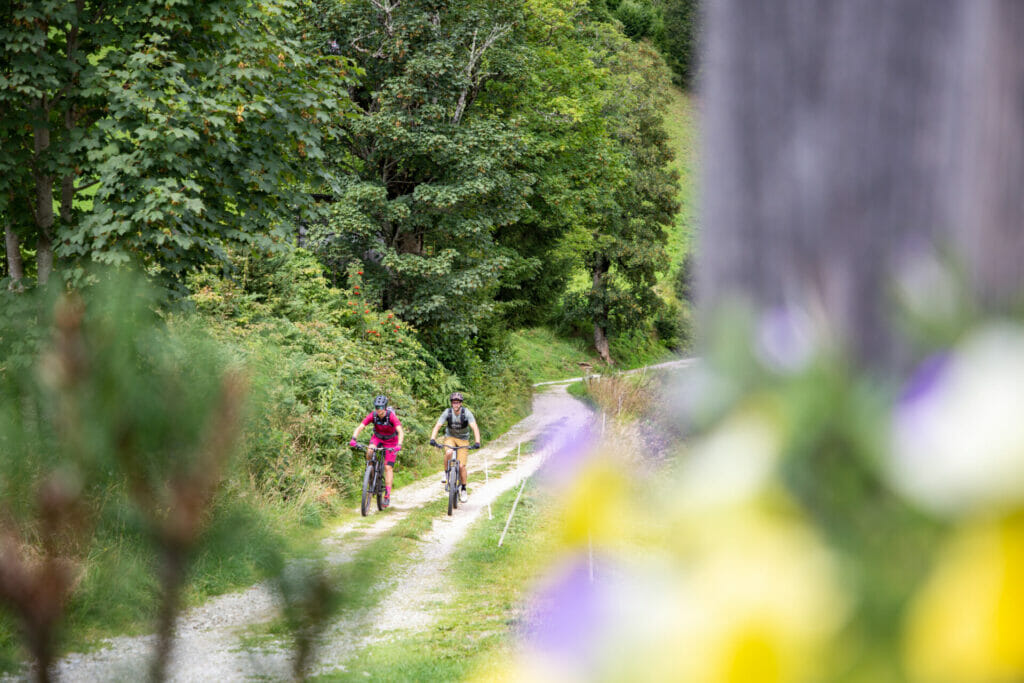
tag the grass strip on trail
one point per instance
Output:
(477, 630)
(355, 580)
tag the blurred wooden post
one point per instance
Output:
(990, 209)
(586, 368)
(832, 153)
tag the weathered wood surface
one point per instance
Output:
(846, 137)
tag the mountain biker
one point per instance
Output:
(457, 420)
(388, 434)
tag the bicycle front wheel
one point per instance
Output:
(364, 507)
(378, 487)
(453, 486)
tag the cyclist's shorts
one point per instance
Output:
(463, 452)
(389, 456)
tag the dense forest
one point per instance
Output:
(249, 217)
(470, 158)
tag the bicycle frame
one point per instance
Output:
(373, 477)
(452, 475)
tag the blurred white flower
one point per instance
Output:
(958, 433)
(734, 463)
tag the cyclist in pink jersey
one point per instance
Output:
(388, 434)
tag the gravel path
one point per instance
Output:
(208, 646)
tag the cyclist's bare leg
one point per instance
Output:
(369, 453)
(389, 475)
(462, 472)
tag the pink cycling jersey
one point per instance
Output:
(385, 433)
(385, 428)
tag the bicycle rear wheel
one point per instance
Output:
(364, 507)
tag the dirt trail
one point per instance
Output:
(208, 647)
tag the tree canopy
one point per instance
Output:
(470, 158)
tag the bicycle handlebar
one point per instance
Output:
(376, 448)
(454, 448)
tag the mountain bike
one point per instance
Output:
(373, 479)
(451, 476)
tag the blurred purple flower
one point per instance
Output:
(925, 378)
(568, 447)
(567, 615)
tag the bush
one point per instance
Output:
(638, 20)
(573, 317)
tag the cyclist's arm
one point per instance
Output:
(476, 430)
(359, 428)
(437, 427)
(401, 434)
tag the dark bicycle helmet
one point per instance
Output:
(456, 396)
(380, 402)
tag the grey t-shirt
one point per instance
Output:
(459, 427)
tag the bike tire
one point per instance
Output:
(453, 490)
(378, 488)
(458, 487)
(364, 507)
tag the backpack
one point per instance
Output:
(450, 417)
(381, 421)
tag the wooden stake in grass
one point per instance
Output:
(512, 512)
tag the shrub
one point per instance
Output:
(638, 20)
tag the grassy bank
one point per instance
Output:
(681, 124)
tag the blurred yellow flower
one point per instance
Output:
(598, 508)
(770, 605)
(967, 622)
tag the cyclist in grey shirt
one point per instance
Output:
(457, 420)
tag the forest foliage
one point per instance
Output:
(330, 200)
(460, 153)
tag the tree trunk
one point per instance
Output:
(601, 344)
(598, 273)
(15, 269)
(43, 209)
(831, 131)
(67, 202)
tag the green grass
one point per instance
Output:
(550, 357)
(681, 126)
(581, 391)
(475, 631)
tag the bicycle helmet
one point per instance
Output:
(380, 402)
(456, 396)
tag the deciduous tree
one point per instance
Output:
(194, 125)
